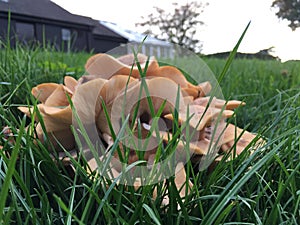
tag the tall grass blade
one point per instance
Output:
(232, 55)
(242, 176)
(11, 169)
(151, 214)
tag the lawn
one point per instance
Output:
(261, 189)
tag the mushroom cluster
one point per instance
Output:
(160, 106)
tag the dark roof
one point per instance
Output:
(43, 9)
(134, 36)
(46, 9)
(102, 30)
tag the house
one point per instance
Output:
(151, 46)
(45, 22)
(105, 39)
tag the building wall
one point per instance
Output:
(151, 50)
(3, 31)
(60, 35)
(79, 37)
(104, 43)
(64, 37)
(3, 26)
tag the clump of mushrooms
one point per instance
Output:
(117, 85)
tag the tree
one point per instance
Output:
(178, 26)
(290, 10)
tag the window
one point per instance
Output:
(158, 54)
(65, 34)
(25, 31)
(165, 52)
(144, 49)
(151, 52)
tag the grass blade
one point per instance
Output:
(151, 214)
(241, 177)
(232, 55)
(11, 169)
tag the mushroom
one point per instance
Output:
(106, 66)
(56, 113)
(43, 91)
(116, 84)
(126, 102)
(180, 182)
(156, 87)
(199, 116)
(70, 84)
(218, 103)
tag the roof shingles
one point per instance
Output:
(43, 9)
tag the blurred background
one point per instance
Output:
(223, 22)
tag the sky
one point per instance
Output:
(224, 22)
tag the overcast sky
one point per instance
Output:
(224, 21)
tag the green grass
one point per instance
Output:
(261, 189)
